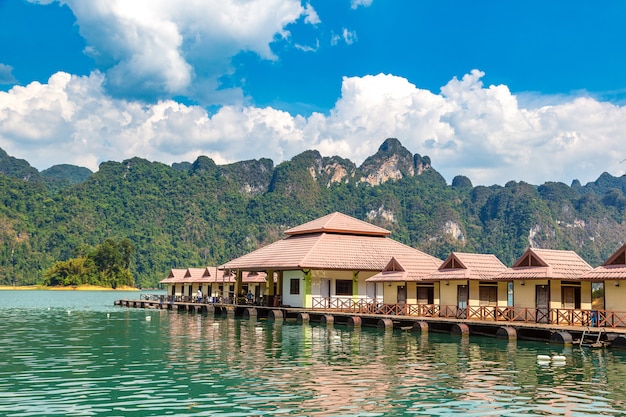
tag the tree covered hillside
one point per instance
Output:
(196, 214)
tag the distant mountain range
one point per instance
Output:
(199, 213)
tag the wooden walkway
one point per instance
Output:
(560, 334)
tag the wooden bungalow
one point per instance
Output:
(325, 263)
(608, 287)
(405, 283)
(462, 280)
(546, 287)
(467, 286)
(215, 285)
(174, 282)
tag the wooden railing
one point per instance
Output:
(560, 316)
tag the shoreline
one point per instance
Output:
(59, 288)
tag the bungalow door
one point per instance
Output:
(402, 299)
(542, 303)
(462, 296)
(401, 295)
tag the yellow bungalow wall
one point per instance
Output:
(524, 293)
(503, 293)
(614, 296)
(448, 292)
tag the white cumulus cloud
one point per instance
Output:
(159, 48)
(468, 128)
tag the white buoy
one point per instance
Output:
(148, 318)
(543, 358)
(559, 358)
(108, 315)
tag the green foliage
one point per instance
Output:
(107, 265)
(133, 221)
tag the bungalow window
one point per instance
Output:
(488, 295)
(343, 287)
(425, 294)
(597, 295)
(294, 286)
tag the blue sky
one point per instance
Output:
(519, 90)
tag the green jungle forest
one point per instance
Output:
(132, 221)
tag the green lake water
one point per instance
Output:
(75, 354)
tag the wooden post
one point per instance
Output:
(269, 288)
(279, 285)
(238, 285)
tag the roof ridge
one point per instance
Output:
(304, 259)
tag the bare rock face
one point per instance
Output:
(333, 170)
(454, 230)
(392, 162)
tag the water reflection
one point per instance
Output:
(117, 362)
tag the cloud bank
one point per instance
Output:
(468, 128)
(153, 49)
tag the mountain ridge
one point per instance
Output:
(201, 213)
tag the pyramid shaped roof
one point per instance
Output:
(547, 263)
(338, 223)
(335, 248)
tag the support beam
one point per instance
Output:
(238, 285)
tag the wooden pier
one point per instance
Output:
(558, 334)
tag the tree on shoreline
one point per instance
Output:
(106, 265)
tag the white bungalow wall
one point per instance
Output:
(294, 300)
(323, 285)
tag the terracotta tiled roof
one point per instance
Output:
(211, 275)
(476, 266)
(338, 223)
(613, 269)
(175, 275)
(331, 251)
(197, 274)
(406, 268)
(601, 273)
(547, 263)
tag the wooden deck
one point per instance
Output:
(554, 333)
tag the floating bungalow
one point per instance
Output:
(326, 263)
(608, 290)
(545, 286)
(214, 284)
(341, 265)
